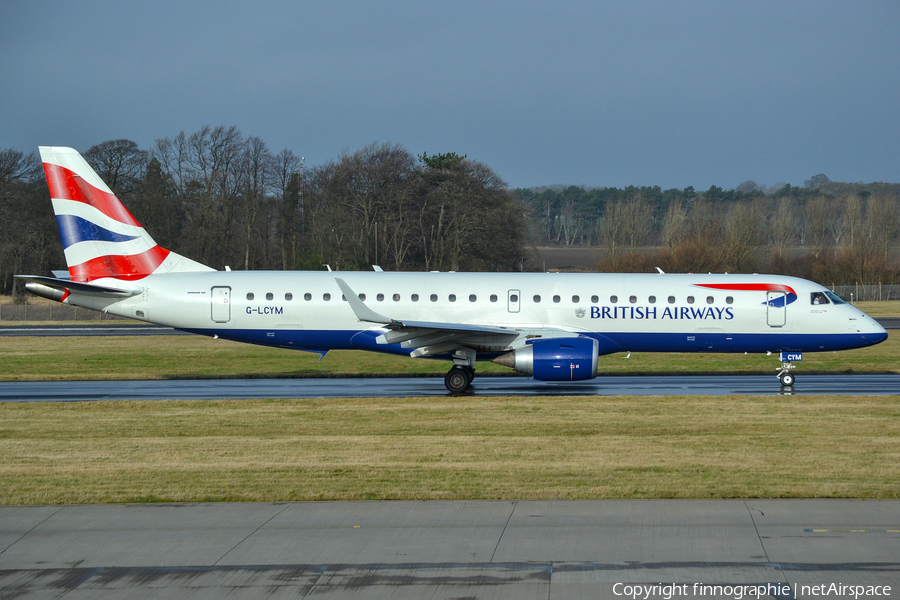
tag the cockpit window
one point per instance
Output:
(834, 297)
(819, 298)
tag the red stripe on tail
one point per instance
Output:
(129, 268)
(66, 185)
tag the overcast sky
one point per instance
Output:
(587, 93)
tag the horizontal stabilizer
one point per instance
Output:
(81, 288)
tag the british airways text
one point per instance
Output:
(653, 312)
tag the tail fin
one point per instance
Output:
(100, 237)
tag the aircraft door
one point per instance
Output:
(221, 304)
(514, 300)
(776, 309)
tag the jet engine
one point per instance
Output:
(555, 359)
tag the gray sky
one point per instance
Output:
(587, 93)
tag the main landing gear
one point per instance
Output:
(459, 378)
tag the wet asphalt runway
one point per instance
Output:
(390, 387)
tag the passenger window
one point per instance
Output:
(434, 297)
(690, 299)
(493, 297)
(269, 296)
(729, 300)
(513, 298)
(414, 297)
(613, 299)
(652, 299)
(556, 299)
(326, 297)
(362, 297)
(819, 298)
(537, 299)
(452, 298)
(396, 297)
(289, 296)
(671, 299)
(249, 295)
(307, 296)
(472, 298)
(632, 299)
(380, 297)
(709, 299)
(575, 299)
(595, 299)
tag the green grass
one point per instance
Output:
(432, 448)
(450, 448)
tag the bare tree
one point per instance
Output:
(783, 228)
(255, 174)
(612, 230)
(676, 225)
(819, 218)
(637, 221)
(119, 163)
(745, 229)
(882, 223)
(288, 174)
(853, 219)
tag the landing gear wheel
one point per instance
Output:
(458, 379)
(787, 380)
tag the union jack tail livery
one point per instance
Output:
(100, 237)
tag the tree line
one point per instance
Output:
(831, 232)
(226, 199)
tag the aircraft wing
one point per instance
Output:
(429, 338)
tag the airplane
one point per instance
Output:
(551, 326)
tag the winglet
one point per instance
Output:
(362, 312)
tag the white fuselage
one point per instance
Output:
(628, 312)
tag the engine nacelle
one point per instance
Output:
(555, 359)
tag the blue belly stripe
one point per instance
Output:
(635, 342)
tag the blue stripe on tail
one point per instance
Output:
(74, 229)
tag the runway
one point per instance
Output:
(448, 549)
(390, 387)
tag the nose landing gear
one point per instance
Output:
(785, 376)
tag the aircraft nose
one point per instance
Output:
(873, 330)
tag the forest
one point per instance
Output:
(226, 199)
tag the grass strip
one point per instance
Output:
(451, 448)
